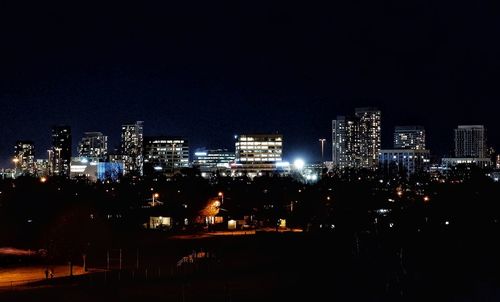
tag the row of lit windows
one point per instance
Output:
(258, 144)
(264, 159)
(264, 139)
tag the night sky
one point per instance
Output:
(208, 70)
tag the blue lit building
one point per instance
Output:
(109, 171)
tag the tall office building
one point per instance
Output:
(356, 140)
(132, 148)
(165, 155)
(470, 141)
(370, 138)
(258, 153)
(60, 153)
(24, 158)
(345, 144)
(93, 146)
(409, 137)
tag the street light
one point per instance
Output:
(15, 160)
(322, 140)
(173, 154)
(155, 195)
(221, 195)
(298, 164)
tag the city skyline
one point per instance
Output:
(203, 72)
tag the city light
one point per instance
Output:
(299, 164)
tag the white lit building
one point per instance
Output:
(356, 140)
(258, 154)
(81, 167)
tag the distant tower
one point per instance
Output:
(132, 148)
(356, 140)
(470, 141)
(93, 145)
(24, 156)
(370, 138)
(345, 146)
(409, 137)
(60, 153)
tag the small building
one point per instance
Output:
(455, 161)
(404, 161)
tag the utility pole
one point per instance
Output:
(322, 140)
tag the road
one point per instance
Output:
(22, 275)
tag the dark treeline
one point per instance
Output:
(66, 216)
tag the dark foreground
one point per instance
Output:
(447, 264)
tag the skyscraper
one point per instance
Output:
(165, 155)
(24, 158)
(370, 138)
(356, 140)
(132, 148)
(345, 144)
(60, 153)
(470, 141)
(409, 137)
(93, 145)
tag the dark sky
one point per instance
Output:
(208, 70)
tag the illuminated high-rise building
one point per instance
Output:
(409, 137)
(132, 148)
(470, 141)
(345, 142)
(370, 137)
(258, 153)
(60, 153)
(24, 158)
(356, 140)
(165, 155)
(93, 146)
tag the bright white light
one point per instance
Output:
(299, 164)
